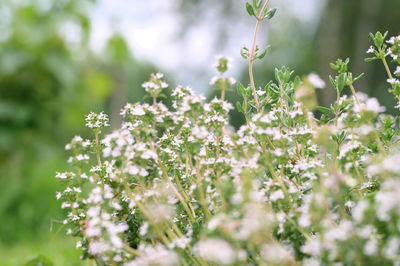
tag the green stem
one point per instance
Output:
(354, 93)
(98, 159)
(252, 54)
(387, 68)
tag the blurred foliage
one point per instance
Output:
(50, 79)
(55, 250)
(343, 31)
(338, 29)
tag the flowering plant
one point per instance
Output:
(181, 187)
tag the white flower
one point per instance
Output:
(149, 154)
(214, 80)
(370, 50)
(393, 81)
(277, 195)
(94, 120)
(371, 105)
(276, 254)
(316, 81)
(231, 80)
(98, 247)
(370, 247)
(143, 228)
(392, 247)
(260, 92)
(397, 71)
(215, 250)
(157, 255)
(312, 247)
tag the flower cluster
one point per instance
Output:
(97, 121)
(222, 83)
(383, 49)
(295, 185)
(155, 85)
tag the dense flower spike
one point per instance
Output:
(179, 186)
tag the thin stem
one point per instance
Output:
(131, 250)
(98, 149)
(304, 233)
(387, 68)
(145, 212)
(166, 177)
(354, 93)
(223, 87)
(201, 192)
(252, 54)
(98, 159)
(154, 100)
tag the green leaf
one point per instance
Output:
(333, 66)
(240, 89)
(333, 82)
(270, 14)
(274, 88)
(324, 109)
(358, 77)
(378, 40)
(250, 9)
(244, 52)
(370, 59)
(252, 105)
(261, 56)
(256, 4)
(239, 107)
(371, 35)
(297, 82)
(341, 81)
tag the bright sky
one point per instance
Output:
(150, 28)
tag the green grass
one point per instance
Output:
(59, 249)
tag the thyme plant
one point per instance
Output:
(180, 186)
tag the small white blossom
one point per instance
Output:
(316, 81)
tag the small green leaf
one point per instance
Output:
(240, 89)
(297, 82)
(358, 77)
(274, 88)
(244, 52)
(261, 56)
(333, 82)
(371, 35)
(270, 14)
(370, 59)
(239, 107)
(252, 105)
(324, 109)
(378, 40)
(341, 81)
(333, 66)
(250, 9)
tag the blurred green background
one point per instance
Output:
(50, 77)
